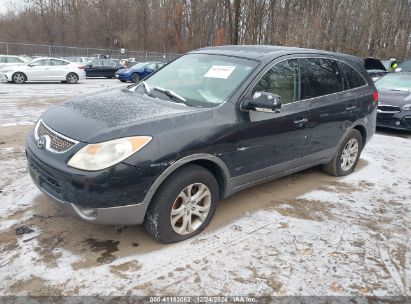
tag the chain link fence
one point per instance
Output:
(28, 49)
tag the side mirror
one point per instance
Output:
(263, 102)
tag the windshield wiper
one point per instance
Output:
(173, 95)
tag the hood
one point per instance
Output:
(394, 98)
(373, 64)
(119, 113)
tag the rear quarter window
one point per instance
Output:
(321, 77)
(354, 79)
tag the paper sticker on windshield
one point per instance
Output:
(220, 71)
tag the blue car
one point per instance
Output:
(138, 71)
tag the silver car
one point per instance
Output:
(11, 60)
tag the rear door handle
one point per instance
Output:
(351, 108)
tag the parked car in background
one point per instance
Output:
(102, 68)
(129, 64)
(375, 68)
(44, 69)
(165, 151)
(138, 71)
(394, 108)
(81, 60)
(404, 66)
(100, 56)
(10, 60)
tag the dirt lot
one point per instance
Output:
(305, 234)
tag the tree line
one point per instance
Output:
(377, 28)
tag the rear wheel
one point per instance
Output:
(135, 77)
(347, 156)
(183, 205)
(122, 80)
(19, 78)
(72, 78)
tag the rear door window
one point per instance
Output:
(109, 63)
(354, 79)
(321, 77)
(58, 62)
(282, 79)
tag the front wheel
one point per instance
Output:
(135, 78)
(19, 78)
(347, 156)
(183, 205)
(72, 78)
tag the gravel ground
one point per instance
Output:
(304, 234)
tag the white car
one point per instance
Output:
(44, 69)
(10, 60)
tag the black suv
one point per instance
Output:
(213, 122)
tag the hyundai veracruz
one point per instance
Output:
(213, 122)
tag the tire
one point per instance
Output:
(171, 197)
(135, 78)
(122, 80)
(72, 78)
(19, 78)
(344, 161)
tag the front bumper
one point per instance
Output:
(399, 121)
(123, 77)
(4, 77)
(112, 196)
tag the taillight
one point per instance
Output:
(375, 96)
(81, 67)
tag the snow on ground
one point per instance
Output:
(305, 234)
(23, 104)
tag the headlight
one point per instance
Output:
(99, 156)
(407, 107)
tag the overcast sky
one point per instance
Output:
(5, 5)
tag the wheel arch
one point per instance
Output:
(18, 71)
(210, 162)
(363, 130)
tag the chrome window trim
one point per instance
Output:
(48, 140)
(309, 57)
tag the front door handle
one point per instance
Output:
(351, 108)
(301, 121)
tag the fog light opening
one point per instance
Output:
(86, 212)
(397, 122)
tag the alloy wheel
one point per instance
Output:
(349, 154)
(190, 208)
(19, 78)
(72, 78)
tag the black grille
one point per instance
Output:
(45, 178)
(389, 109)
(57, 143)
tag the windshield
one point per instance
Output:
(395, 81)
(405, 66)
(199, 80)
